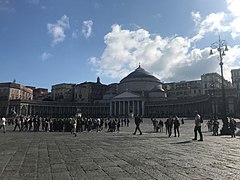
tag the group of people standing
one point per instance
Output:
(213, 126)
(80, 124)
(172, 122)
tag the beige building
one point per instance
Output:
(88, 92)
(63, 92)
(13, 91)
(183, 89)
(212, 81)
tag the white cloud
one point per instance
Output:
(214, 22)
(87, 28)
(45, 56)
(219, 21)
(234, 8)
(58, 29)
(196, 17)
(170, 59)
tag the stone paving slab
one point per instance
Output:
(118, 156)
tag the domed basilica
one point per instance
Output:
(134, 90)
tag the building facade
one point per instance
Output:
(137, 93)
(88, 92)
(236, 78)
(184, 89)
(13, 91)
(63, 92)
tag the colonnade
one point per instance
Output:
(59, 111)
(125, 108)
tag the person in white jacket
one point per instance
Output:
(197, 128)
(3, 124)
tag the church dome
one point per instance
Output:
(138, 81)
(139, 74)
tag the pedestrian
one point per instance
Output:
(138, 121)
(176, 125)
(17, 123)
(232, 125)
(3, 124)
(118, 125)
(154, 122)
(210, 125)
(215, 127)
(182, 121)
(74, 126)
(128, 122)
(160, 124)
(169, 126)
(166, 126)
(197, 128)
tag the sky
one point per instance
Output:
(47, 42)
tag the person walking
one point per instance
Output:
(176, 125)
(169, 126)
(138, 121)
(3, 124)
(73, 121)
(166, 126)
(215, 127)
(160, 124)
(233, 125)
(197, 128)
(17, 123)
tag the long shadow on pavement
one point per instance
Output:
(182, 142)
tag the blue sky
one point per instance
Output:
(46, 42)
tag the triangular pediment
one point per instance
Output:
(127, 95)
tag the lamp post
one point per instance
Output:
(213, 95)
(221, 46)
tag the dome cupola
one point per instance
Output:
(138, 81)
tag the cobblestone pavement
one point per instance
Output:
(102, 155)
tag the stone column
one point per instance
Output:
(133, 102)
(115, 108)
(128, 109)
(124, 108)
(119, 108)
(142, 108)
(138, 107)
(110, 113)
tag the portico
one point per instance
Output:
(127, 104)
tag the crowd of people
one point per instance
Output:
(213, 126)
(80, 124)
(73, 125)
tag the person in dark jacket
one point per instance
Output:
(233, 125)
(176, 125)
(138, 121)
(169, 125)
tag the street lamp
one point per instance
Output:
(213, 95)
(221, 46)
